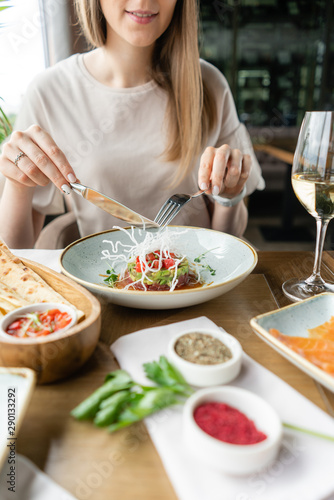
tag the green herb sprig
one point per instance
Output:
(111, 278)
(308, 431)
(206, 267)
(120, 401)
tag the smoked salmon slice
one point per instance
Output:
(318, 347)
(324, 331)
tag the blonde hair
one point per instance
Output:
(176, 68)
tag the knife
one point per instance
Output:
(111, 206)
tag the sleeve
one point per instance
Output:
(230, 130)
(47, 200)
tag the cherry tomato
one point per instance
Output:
(138, 265)
(16, 325)
(151, 256)
(39, 324)
(168, 263)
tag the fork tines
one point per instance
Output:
(167, 212)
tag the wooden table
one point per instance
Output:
(92, 464)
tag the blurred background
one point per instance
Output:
(277, 55)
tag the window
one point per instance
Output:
(276, 55)
(21, 51)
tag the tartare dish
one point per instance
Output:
(153, 264)
(158, 271)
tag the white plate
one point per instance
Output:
(232, 258)
(295, 320)
(16, 387)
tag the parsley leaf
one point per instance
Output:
(120, 401)
(165, 374)
(114, 382)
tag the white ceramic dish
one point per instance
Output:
(16, 388)
(31, 308)
(231, 458)
(208, 375)
(232, 258)
(295, 319)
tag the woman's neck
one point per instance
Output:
(120, 65)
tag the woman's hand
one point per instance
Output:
(38, 160)
(225, 169)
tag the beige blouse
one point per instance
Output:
(114, 139)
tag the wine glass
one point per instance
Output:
(313, 184)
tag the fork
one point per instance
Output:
(173, 205)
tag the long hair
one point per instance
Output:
(190, 113)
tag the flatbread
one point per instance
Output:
(6, 307)
(10, 300)
(20, 285)
(17, 261)
(11, 296)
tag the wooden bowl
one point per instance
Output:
(54, 359)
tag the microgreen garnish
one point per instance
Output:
(206, 267)
(111, 278)
(209, 268)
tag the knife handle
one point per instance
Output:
(78, 188)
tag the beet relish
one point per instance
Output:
(227, 424)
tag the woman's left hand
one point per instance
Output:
(225, 170)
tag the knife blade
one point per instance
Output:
(111, 206)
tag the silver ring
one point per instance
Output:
(20, 155)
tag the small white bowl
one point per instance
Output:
(31, 308)
(229, 458)
(208, 375)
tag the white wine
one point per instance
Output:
(313, 183)
(316, 195)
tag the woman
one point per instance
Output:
(130, 118)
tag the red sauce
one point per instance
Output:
(39, 324)
(227, 424)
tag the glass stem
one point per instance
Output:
(315, 277)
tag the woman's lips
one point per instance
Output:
(142, 17)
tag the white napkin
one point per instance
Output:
(304, 468)
(30, 483)
(49, 258)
